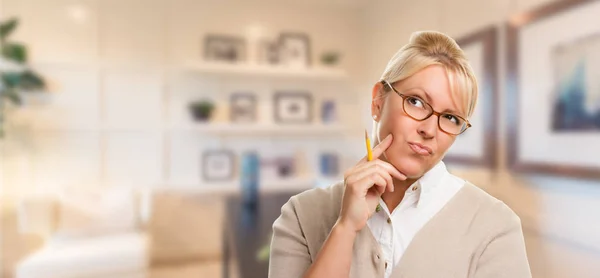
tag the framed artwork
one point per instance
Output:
(478, 145)
(293, 107)
(294, 49)
(218, 165)
(242, 107)
(224, 48)
(553, 98)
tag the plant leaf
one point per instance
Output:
(11, 79)
(7, 27)
(15, 52)
(12, 95)
(31, 81)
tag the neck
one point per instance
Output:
(393, 199)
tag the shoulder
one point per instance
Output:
(487, 213)
(313, 212)
(319, 203)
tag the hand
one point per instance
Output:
(363, 186)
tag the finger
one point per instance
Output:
(363, 185)
(383, 164)
(369, 170)
(379, 149)
(390, 169)
(382, 146)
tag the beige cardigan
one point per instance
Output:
(473, 235)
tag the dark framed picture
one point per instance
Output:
(242, 107)
(294, 50)
(553, 98)
(478, 145)
(222, 48)
(293, 107)
(218, 165)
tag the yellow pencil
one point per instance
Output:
(369, 151)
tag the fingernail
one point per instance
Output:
(388, 136)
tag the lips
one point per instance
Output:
(420, 148)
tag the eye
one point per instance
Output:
(455, 120)
(416, 102)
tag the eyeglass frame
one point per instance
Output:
(433, 112)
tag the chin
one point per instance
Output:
(411, 166)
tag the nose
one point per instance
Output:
(428, 128)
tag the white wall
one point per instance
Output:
(117, 86)
(561, 216)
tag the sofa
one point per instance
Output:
(122, 232)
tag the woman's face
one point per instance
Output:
(417, 145)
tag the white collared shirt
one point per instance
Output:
(423, 199)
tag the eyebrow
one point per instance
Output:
(430, 100)
(427, 96)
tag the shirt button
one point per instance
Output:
(389, 220)
(415, 188)
(378, 208)
(385, 264)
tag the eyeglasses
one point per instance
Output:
(420, 110)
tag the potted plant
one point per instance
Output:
(202, 109)
(16, 77)
(330, 58)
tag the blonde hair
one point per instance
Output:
(428, 48)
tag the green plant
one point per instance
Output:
(16, 77)
(202, 109)
(330, 57)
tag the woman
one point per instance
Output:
(402, 214)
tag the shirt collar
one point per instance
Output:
(429, 182)
(424, 186)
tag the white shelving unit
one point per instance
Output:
(233, 129)
(297, 183)
(240, 69)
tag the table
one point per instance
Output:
(246, 230)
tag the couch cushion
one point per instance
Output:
(107, 256)
(91, 212)
(185, 226)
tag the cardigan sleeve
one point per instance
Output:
(289, 256)
(505, 255)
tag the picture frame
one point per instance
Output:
(293, 107)
(478, 145)
(268, 52)
(242, 108)
(536, 65)
(218, 165)
(294, 50)
(224, 48)
(278, 167)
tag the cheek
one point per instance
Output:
(445, 141)
(394, 120)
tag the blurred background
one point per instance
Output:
(155, 138)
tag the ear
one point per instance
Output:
(376, 101)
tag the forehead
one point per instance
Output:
(433, 80)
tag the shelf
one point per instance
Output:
(267, 71)
(291, 184)
(231, 129)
